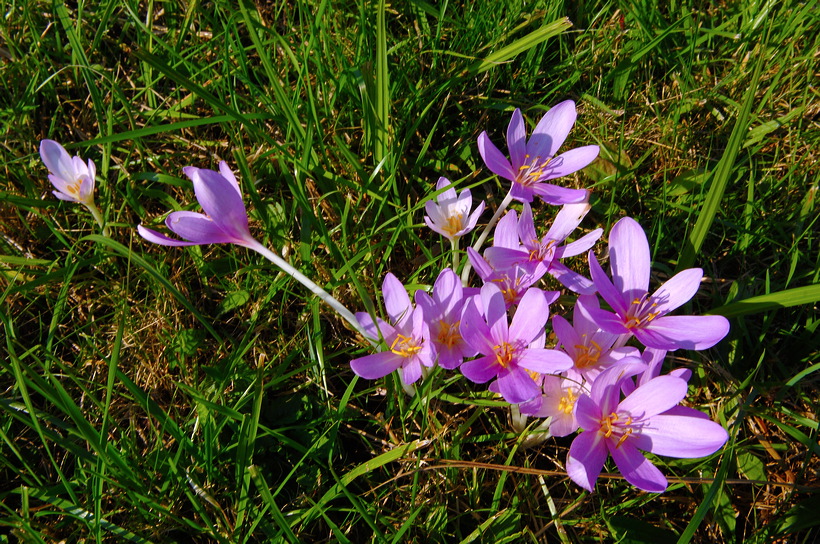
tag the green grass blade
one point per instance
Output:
(796, 296)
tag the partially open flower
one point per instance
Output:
(450, 215)
(71, 177)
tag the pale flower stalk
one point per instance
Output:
(225, 221)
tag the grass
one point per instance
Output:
(197, 394)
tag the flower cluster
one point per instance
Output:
(600, 373)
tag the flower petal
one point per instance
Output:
(629, 260)
(158, 238)
(376, 365)
(480, 370)
(396, 301)
(555, 195)
(673, 332)
(681, 436)
(637, 469)
(569, 162)
(530, 316)
(494, 159)
(654, 397)
(220, 201)
(57, 160)
(197, 228)
(586, 458)
(677, 290)
(517, 140)
(516, 385)
(545, 361)
(552, 130)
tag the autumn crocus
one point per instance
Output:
(442, 311)
(506, 348)
(648, 419)
(542, 255)
(644, 315)
(225, 221)
(73, 179)
(450, 215)
(407, 336)
(533, 162)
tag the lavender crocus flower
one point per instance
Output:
(73, 179)
(450, 214)
(506, 348)
(532, 163)
(225, 220)
(407, 335)
(638, 313)
(442, 312)
(542, 255)
(647, 419)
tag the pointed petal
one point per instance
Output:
(683, 332)
(495, 310)
(530, 316)
(681, 436)
(677, 290)
(449, 192)
(552, 130)
(448, 292)
(506, 231)
(474, 330)
(228, 174)
(629, 260)
(654, 397)
(545, 361)
(567, 221)
(570, 162)
(57, 160)
(614, 296)
(494, 159)
(526, 229)
(580, 245)
(517, 140)
(502, 258)
(480, 370)
(572, 280)
(481, 266)
(637, 469)
(555, 195)
(376, 365)
(516, 386)
(606, 321)
(396, 300)
(586, 458)
(197, 228)
(220, 201)
(606, 387)
(411, 371)
(157, 238)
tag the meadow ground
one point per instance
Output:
(154, 394)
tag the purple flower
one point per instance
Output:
(512, 282)
(647, 419)
(407, 335)
(72, 178)
(638, 313)
(225, 220)
(506, 348)
(542, 256)
(558, 402)
(442, 312)
(450, 215)
(589, 347)
(533, 162)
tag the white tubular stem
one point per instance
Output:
(465, 274)
(326, 297)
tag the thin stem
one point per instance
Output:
(326, 297)
(95, 211)
(465, 274)
(454, 249)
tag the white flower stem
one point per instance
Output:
(326, 297)
(465, 274)
(95, 211)
(454, 248)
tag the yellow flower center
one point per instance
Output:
(404, 346)
(531, 171)
(454, 224)
(587, 355)
(504, 354)
(448, 333)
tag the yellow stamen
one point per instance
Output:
(404, 346)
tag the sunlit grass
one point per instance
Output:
(200, 395)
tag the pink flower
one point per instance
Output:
(71, 177)
(450, 215)
(225, 220)
(532, 163)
